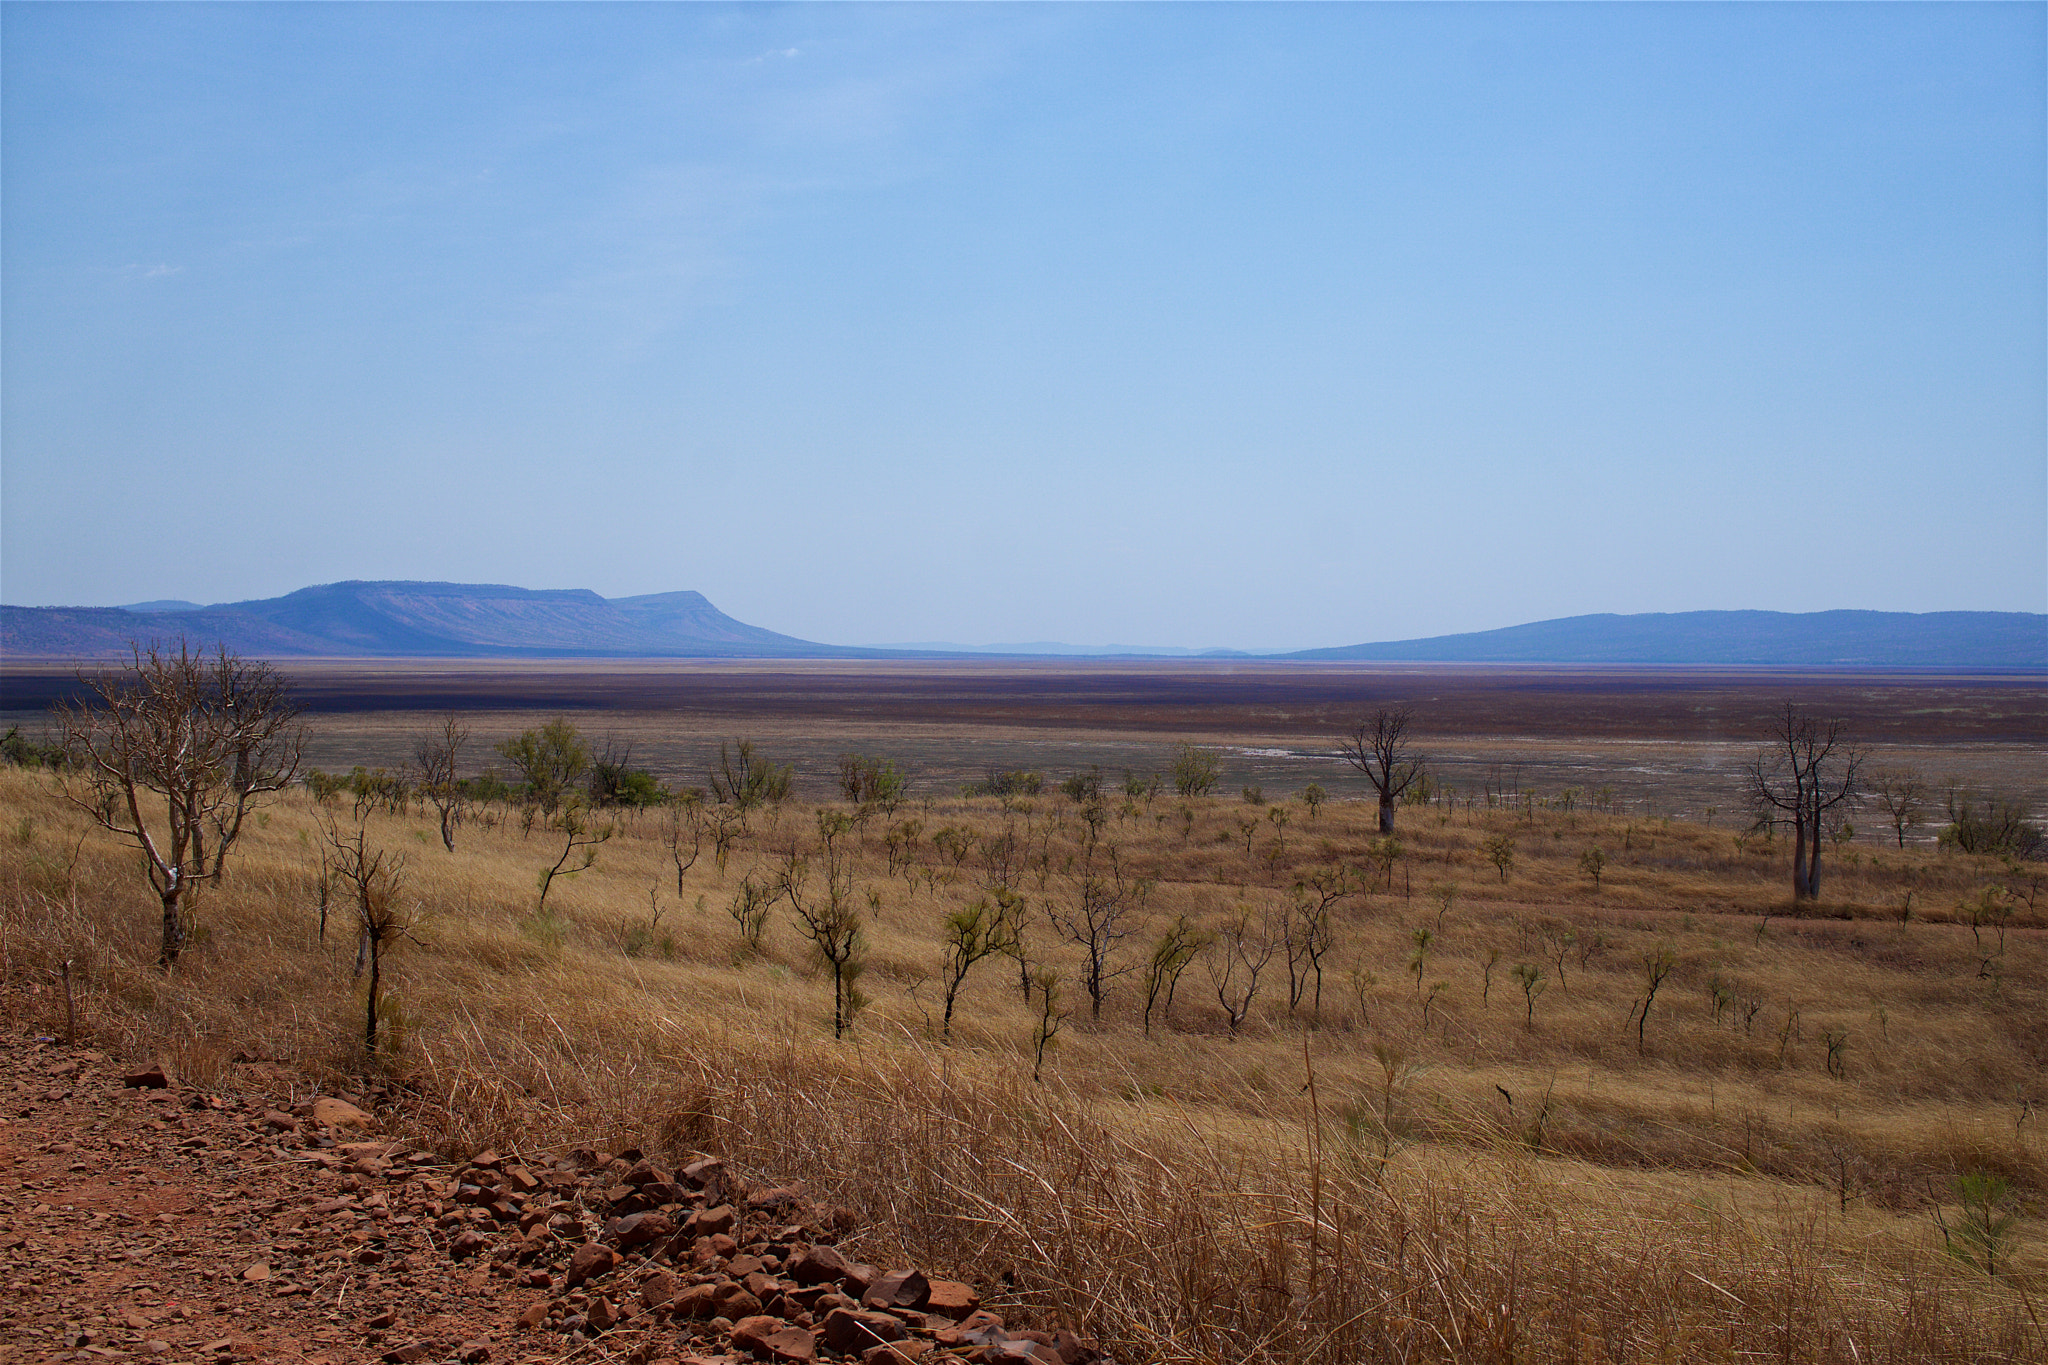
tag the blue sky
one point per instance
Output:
(1263, 326)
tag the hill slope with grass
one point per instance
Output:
(1414, 1100)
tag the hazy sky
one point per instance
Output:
(1253, 325)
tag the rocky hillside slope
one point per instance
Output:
(143, 1218)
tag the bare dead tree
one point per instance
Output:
(1903, 794)
(1243, 950)
(579, 837)
(1097, 923)
(170, 753)
(831, 920)
(684, 833)
(1379, 749)
(1807, 770)
(1657, 968)
(725, 825)
(373, 878)
(435, 756)
(1311, 932)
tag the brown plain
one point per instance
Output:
(1672, 739)
(1426, 1173)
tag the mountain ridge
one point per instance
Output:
(1842, 638)
(416, 619)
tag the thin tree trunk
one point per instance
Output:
(174, 930)
(370, 1013)
(1799, 891)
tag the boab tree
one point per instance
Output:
(1379, 749)
(170, 753)
(1807, 770)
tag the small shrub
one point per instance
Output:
(1982, 1236)
(1993, 824)
(868, 781)
(1195, 770)
(1083, 789)
(1500, 851)
(1009, 782)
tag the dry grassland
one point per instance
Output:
(1436, 1170)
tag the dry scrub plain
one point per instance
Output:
(1478, 1146)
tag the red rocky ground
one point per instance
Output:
(139, 1218)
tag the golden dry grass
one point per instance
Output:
(1720, 1194)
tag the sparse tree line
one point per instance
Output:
(1061, 894)
(172, 752)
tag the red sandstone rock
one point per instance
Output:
(899, 1353)
(820, 1265)
(694, 1302)
(657, 1288)
(638, 1229)
(769, 1338)
(734, 1301)
(711, 1222)
(951, 1299)
(898, 1289)
(856, 1330)
(588, 1262)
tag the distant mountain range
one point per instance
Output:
(415, 620)
(467, 620)
(1935, 639)
(1054, 649)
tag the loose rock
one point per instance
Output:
(899, 1289)
(857, 1330)
(588, 1262)
(341, 1114)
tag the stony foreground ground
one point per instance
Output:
(141, 1218)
